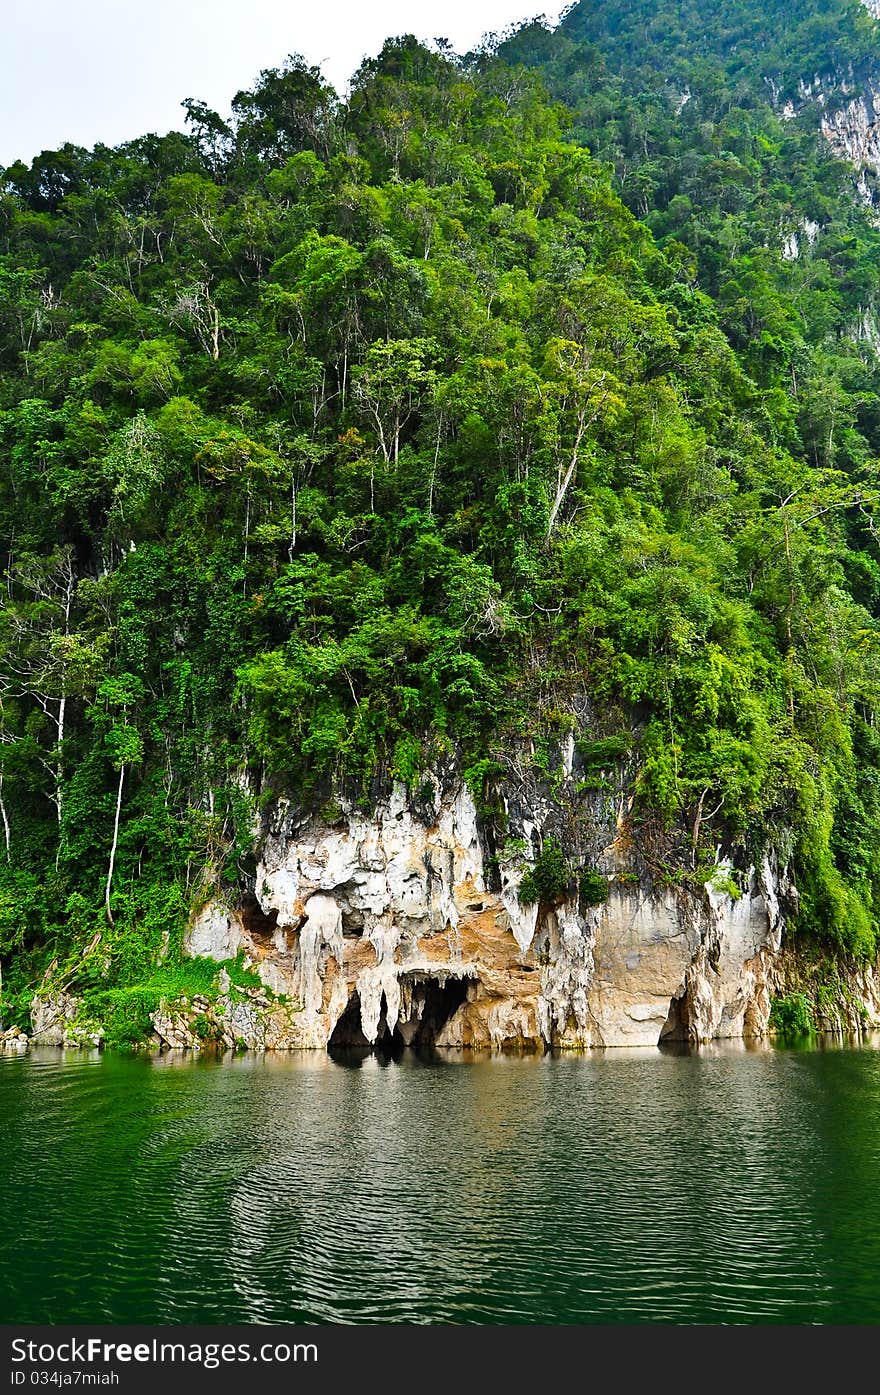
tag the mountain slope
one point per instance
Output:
(348, 441)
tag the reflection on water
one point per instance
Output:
(731, 1185)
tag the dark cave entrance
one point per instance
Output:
(438, 998)
(347, 1033)
(442, 999)
(676, 1029)
(259, 924)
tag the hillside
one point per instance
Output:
(514, 419)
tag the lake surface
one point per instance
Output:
(722, 1186)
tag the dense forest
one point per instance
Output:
(491, 403)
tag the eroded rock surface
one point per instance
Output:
(394, 924)
(54, 1022)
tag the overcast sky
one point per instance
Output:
(109, 70)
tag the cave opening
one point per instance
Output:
(435, 1002)
(348, 1033)
(675, 1029)
(442, 999)
(259, 924)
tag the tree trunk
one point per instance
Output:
(62, 706)
(6, 832)
(788, 614)
(62, 713)
(113, 847)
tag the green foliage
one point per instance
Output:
(348, 436)
(792, 1017)
(124, 1011)
(548, 880)
(592, 888)
(124, 1014)
(602, 754)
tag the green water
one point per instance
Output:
(724, 1186)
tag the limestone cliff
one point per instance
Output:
(849, 106)
(849, 114)
(401, 923)
(404, 924)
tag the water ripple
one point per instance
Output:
(640, 1187)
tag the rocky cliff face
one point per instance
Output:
(399, 924)
(849, 104)
(850, 108)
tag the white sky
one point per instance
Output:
(110, 70)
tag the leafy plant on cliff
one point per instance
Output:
(548, 880)
(592, 888)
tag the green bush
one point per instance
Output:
(207, 1031)
(599, 755)
(792, 1016)
(548, 881)
(592, 888)
(124, 1013)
